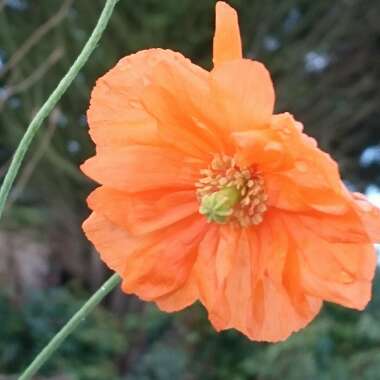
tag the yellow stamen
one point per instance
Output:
(227, 193)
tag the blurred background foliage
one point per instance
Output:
(324, 57)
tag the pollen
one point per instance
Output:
(249, 202)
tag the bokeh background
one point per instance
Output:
(325, 60)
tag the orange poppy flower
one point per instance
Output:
(207, 195)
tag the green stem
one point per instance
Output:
(70, 326)
(53, 99)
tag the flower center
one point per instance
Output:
(227, 193)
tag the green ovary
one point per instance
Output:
(218, 206)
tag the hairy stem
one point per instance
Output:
(70, 326)
(53, 99)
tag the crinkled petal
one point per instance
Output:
(113, 243)
(183, 297)
(287, 191)
(245, 283)
(369, 216)
(176, 125)
(179, 100)
(144, 212)
(152, 265)
(227, 42)
(243, 93)
(310, 164)
(165, 263)
(336, 272)
(116, 116)
(301, 177)
(343, 228)
(263, 149)
(141, 168)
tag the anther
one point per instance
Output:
(228, 194)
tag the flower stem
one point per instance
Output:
(53, 99)
(70, 326)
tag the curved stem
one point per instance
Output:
(53, 99)
(70, 326)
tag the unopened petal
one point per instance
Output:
(227, 41)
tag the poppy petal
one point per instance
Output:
(336, 272)
(113, 243)
(140, 168)
(240, 294)
(243, 93)
(288, 192)
(183, 297)
(152, 265)
(369, 216)
(164, 264)
(343, 228)
(116, 116)
(261, 148)
(227, 41)
(305, 178)
(144, 212)
(179, 100)
(175, 125)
